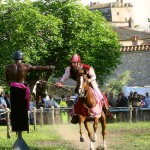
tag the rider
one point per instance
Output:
(70, 72)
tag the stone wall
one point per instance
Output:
(137, 60)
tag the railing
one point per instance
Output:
(62, 115)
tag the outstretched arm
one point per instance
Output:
(42, 67)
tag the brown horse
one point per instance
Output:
(87, 101)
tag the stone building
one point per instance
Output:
(117, 13)
(136, 60)
(130, 37)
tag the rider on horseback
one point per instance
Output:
(70, 72)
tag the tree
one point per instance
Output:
(115, 85)
(52, 31)
(23, 27)
(86, 33)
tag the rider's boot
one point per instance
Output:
(107, 112)
(75, 119)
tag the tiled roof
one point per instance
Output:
(100, 6)
(135, 48)
(126, 33)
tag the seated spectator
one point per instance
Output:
(7, 99)
(63, 102)
(32, 104)
(111, 100)
(69, 102)
(52, 103)
(40, 103)
(3, 104)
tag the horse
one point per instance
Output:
(87, 101)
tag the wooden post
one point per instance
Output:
(34, 117)
(131, 109)
(41, 116)
(53, 115)
(8, 122)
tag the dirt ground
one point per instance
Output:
(70, 133)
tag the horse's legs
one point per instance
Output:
(103, 125)
(95, 126)
(81, 120)
(87, 126)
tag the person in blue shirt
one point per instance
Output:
(3, 104)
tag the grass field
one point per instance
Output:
(121, 136)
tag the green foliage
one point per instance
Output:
(43, 138)
(24, 27)
(85, 33)
(52, 31)
(115, 85)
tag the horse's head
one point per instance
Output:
(82, 82)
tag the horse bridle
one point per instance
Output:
(82, 92)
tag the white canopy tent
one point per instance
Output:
(139, 90)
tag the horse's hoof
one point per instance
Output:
(93, 139)
(82, 140)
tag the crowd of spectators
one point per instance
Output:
(134, 99)
(47, 101)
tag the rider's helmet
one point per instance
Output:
(18, 55)
(75, 58)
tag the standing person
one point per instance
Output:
(63, 102)
(16, 74)
(70, 72)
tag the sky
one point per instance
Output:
(141, 10)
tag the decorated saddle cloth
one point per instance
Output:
(19, 97)
(80, 108)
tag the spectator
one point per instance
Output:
(69, 102)
(32, 105)
(7, 100)
(111, 100)
(3, 104)
(45, 99)
(40, 103)
(146, 101)
(136, 100)
(147, 95)
(130, 98)
(52, 103)
(63, 102)
(41, 87)
(121, 101)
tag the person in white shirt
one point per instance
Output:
(70, 72)
(52, 103)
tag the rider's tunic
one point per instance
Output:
(71, 73)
